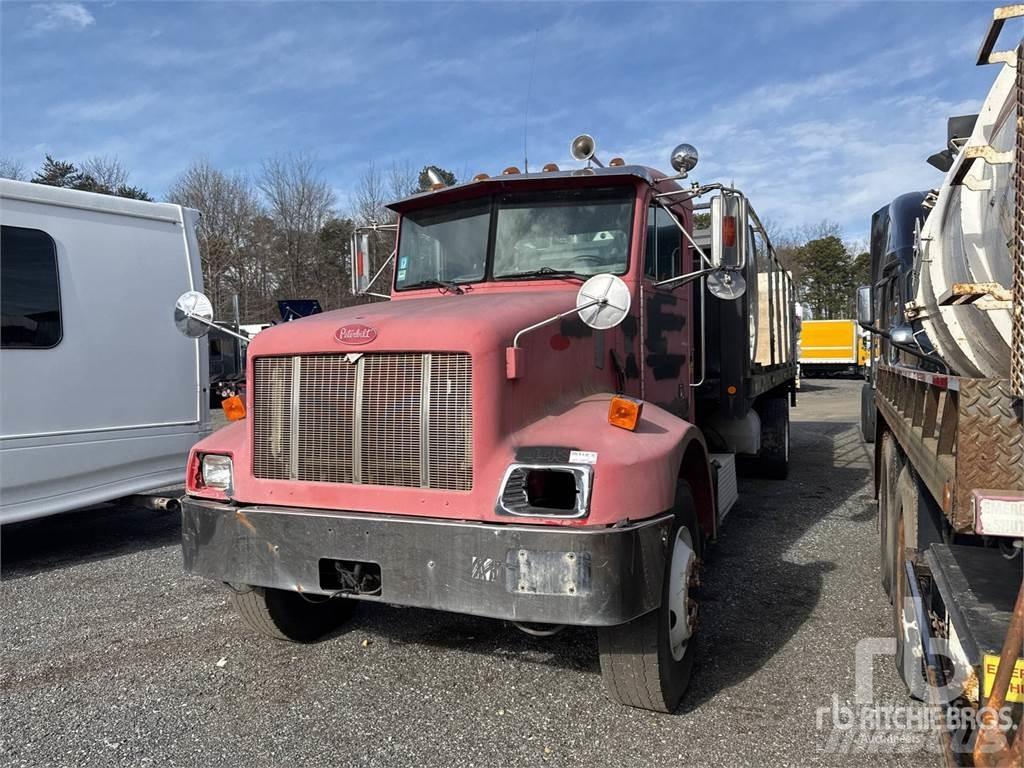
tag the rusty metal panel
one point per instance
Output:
(990, 443)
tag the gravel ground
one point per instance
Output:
(112, 656)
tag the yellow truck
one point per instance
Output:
(831, 346)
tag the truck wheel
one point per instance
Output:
(888, 471)
(867, 413)
(646, 663)
(773, 461)
(285, 615)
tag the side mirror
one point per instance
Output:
(193, 314)
(359, 266)
(603, 302)
(728, 230)
(864, 307)
(901, 334)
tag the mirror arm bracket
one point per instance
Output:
(555, 318)
(908, 349)
(514, 354)
(675, 282)
(221, 328)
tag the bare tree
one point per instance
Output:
(371, 197)
(12, 169)
(106, 170)
(227, 242)
(300, 203)
(403, 180)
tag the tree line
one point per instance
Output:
(826, 270)
(280, 233)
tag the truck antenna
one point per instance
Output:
(529, 91)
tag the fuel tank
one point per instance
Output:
(964, 243)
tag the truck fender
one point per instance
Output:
(635, 473)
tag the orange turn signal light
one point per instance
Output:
(233, 407)
(624, 412)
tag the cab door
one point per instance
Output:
(666, 317)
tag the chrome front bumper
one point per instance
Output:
(580, 576)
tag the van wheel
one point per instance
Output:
(773, 461)
(286, 615)
(647, 663)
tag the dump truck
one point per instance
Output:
(829, 347)
(943, 403)
(537, 421)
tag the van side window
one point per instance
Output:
(664, 256)
(29, 290)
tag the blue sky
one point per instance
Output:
(817, 110)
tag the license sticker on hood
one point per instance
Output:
(583, 457)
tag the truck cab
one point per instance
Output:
(512, 434)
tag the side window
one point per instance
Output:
(663, 257)
(29, 290)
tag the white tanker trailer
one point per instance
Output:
(943, 406)
(963, 295)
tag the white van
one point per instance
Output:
(99, 396)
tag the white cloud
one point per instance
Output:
(99, 110)
(53, 16)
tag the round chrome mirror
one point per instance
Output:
(582, 147)
(684, 158)
(193, 314)
(726, 285)
(603, 302)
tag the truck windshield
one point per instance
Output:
(585, 232)
(582, 231)
(447, 244)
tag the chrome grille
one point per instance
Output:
(326, 410)
(393, 419)
(450, 422)
(272, 422)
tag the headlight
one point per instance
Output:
(558, 490)
(217, 471)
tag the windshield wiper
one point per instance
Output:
(444, 285)
(544, 272)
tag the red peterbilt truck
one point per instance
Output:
(539, 426)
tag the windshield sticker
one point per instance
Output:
(401, 274)
(403, 262)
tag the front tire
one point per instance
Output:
(647, 663)
(285, 615)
